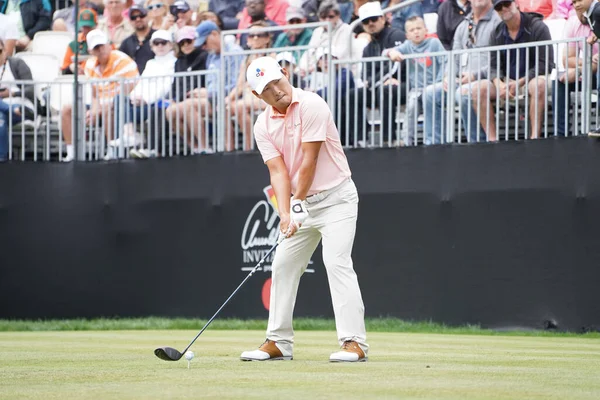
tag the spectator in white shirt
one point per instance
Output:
(8, 33)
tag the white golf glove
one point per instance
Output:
(298, 213)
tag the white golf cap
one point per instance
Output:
(262, 71)
(286, 56)
(368, 10)
(95, 38)
(162, 34)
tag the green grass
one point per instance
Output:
(120, 365)
(300, 324)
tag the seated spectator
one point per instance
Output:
(147, 98)
(255, 11)
(105, 63)
(32, 16)
(402, 15)
(87, 22)
(211, 16)
(294, 37)
(189, 58)
(544, 7)
(287, 60)
(570, 80)
(8, 33)
(16, 101)
(356, 5)
(309, 8)
(64, 19)
(450, 14)
(137, 46)
(474, 32)
(228, 11)
(424, 72)
(183, 14)
(114, 25)
(244, 106)
(158, 11)
(508, 81)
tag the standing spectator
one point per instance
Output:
(474, 32)
(402, 15)
(31, 17)
(16, 101)
(544, 7)
(64, 19)
(183, 14)
(256, 12)
(508, 80)
(8, 33)
(105, 63)
(158, 11)
(273, 9)
(137, 46)
(115, 26)
(424, 72)
(450, 14)
(230, 12)
(87, 22)
(295, 37)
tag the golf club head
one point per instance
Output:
(168, 354)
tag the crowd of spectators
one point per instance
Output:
(129, 38)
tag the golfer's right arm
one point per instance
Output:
(280, 181)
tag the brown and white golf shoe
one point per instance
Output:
(269, 351)
(350, 352)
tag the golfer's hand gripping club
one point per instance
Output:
(298, 215)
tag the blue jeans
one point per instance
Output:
(433, 98)
(5, 109)
(561, 97)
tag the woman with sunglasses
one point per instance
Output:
(242, 104)
(157, 14)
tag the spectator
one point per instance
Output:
(474, 32)
(528, 76)
(386, 90)
(450, 14)
(87, 22)
(189, 58)
(105, 63)
(64, 19)
(16, 101)
(564, 9)
(8, 33)
(211, 16)
(544, 7)
(343, 78)
(569, 81)
(145, 102)
(310, 8)
(229, 11)
(287, 60)
(256, 11)
(31, 16)
(115, 26)
(402, 15)
(357, 4)
(241, 102)
(183, 14)
(431, 6)
(590, 10)
(424, 72)
(137, 46)
(158, 12)
(295, 37)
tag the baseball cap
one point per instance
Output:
(203, 30)
(95, 38)
(286, 56)
(161, 34)
(368, 10)
(262, 71)
(87, 17)
(179, 6)
(187, 32)
(496, 2)
(139, 9)
(294, 12)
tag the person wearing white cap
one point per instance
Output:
(317, 200)
(104, 63)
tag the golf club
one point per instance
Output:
(171, 354)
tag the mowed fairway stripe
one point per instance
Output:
(121, 365)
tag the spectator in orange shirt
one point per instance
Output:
(105, 63)
(87, 22)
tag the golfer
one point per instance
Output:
(317, 199)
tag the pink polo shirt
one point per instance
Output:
(307, 119)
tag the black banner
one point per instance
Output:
(502, 235)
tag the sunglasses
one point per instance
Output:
(504, 4)
(184, 42)
(136, 17)
(160, 42)
(257, 35)
(155, 6)
(367, 21)
(294, 21)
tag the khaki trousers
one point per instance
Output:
(332, 218)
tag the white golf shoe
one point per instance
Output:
(350, 352)
(268, 351)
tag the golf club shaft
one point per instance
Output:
(232, 294)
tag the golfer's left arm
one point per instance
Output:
(306, 174)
